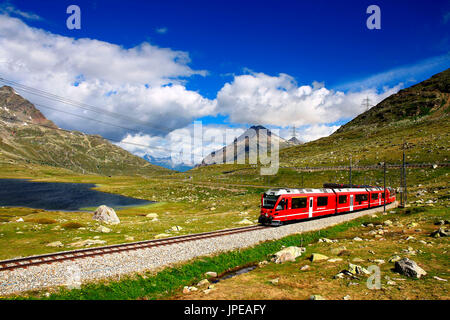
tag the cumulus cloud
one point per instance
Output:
(148, 106)
(188, 145)
(279, 101)
(145, 82)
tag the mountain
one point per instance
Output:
(427, 98)
(254, 135)
(28, 137)
(295, 141)
(166, 162)
(415, 118)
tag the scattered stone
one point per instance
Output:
(410, 238)
(357, 239)
(87, 243)
(387, 223)
(152, 215)
(357, 260)
(274, 281)
(288, 254)
(55, 244)
(211, 274)
(305, 267)
(318, 257)
(327, 240)
(440, 279)
(203, 282)
(371, 252)
(106, 214)
(391, 283)
(338, 250)
(162, 235)
(316, 297)
(441, 232)
(187, 289)
(262, 263)
(335, 260)
(129, 238)
(412, 225)
(347, 297)
(20, 220)
(409, 268)
(103, 229)
(356, 269)
(176, 228)
(245, 221)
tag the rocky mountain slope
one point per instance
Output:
(257, 136)
(27, 137)
(416, 118)
(428, 98)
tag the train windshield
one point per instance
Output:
(269, 201)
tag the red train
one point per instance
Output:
(284, 204)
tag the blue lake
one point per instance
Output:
(59, 196)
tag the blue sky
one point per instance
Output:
(236, 45)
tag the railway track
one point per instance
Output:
(99, 251)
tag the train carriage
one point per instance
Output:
(280, 205)
(286, 204)
(376, 196)
(346, 199)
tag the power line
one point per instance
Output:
(81, 105)
(108, 139)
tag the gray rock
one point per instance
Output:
(441, 232)
(106, 214)
(409, 268)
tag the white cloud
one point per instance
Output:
(396, 75)
(9, 9)
(162, 30)
(183, 145)
(279, 101)
(145, 82)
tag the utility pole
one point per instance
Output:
(366, 104)
(294, 134)
(404, 175)
(350, 171)
(384, 202)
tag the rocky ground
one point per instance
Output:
(114, 265)
(409, 250)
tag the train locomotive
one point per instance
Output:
(281, 205)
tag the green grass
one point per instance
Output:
(170, 280)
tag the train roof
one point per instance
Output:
(281, 191)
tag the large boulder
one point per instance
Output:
(106, 214)
(288, 254)
(409, 268)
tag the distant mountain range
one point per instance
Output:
(28, 137)
(254, 135)
(166, 162)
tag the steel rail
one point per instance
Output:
(49, 258)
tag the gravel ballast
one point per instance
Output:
(72, 273)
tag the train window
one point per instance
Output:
(322, 201)
(281, 205)
(360, 197)
(342, 199)
(298, 203)
(382, 196)
(374, 196)
(269, 201)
